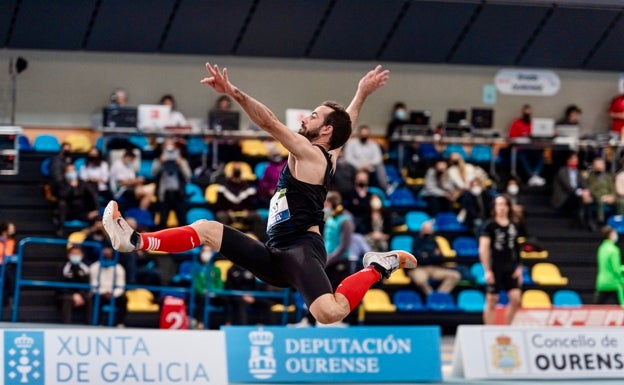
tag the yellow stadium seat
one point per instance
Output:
(545, 273)
(79, 142)
(76, 237)
(377, 301)
(254, 147)
(212, 193)
(445, 247)
(247, 172)
(535, 299)
(397, 278)
(224, 265)
(279, 308)
(172, 221)
(141, 300)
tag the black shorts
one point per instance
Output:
(299, 264)
(503, 281)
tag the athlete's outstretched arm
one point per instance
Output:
(257, 112)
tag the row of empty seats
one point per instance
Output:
(468, 300)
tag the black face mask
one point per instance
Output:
(427, 236)
(526, 118)
(361, 184)
(236, 174)
(363, 140)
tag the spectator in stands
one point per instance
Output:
(438, 190)
(7, 248)
(108, 279)
(57, 167)
(176, 119)
(602, 188)
(118, 98)
(399, 117)
(338, 234)
(268, 182)
(570, 196)
(616, 113)
(365, 154)
(126, 184)
(343, 179)
(461, 174)
(229, 149)
(94, 233)
(500, 257)
(609, 281)
(430, 261)
(172, 173)
(512, 189)
(96, 172)
(206, 278)
(238, 307)
(76, 200)
(619, 182)
(236, 203)
(476, 206)
(357, 202)
(74, 270)
(531, 160)
(378, 233)
(571, 117)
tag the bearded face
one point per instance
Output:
(310, 133)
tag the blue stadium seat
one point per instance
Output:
(184, 272)
(196, 145)
(44, 168)
(415, 219)
(197, 213)
(428, 151)
(145, 169)
(143, 217)
(466, 247)
(481, 153)
(447, 222)
(567, 298)
(402, 242)
(46, 143)
(394, 176)
(408, 300)
(403, 197)
(79, 162)
(23, 144)
(437, 301)
(478, 273)
(259, 169)
(471, 300)
(140, 141)
(458, 148)
(194, 193)
(617, 222)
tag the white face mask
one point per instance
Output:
(476, 190)
(513, 189)
(205, 256)
(615, 237)
(375, 204)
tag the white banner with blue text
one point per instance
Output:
(112, 356)
(483, 352)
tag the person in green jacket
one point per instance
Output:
(610, 281)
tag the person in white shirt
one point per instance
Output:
(124, 181)
(365, 154)
(108, 278)
(176, 119)
(96, 172)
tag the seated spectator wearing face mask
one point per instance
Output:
(358, 202)
(77, 200)
(475, 206)
(365, 154)
(74, 271)
(430, 260)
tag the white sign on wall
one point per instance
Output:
(483, 352)
(527, 82)
(294, 117)
(105, 356)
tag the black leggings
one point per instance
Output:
(300, 265)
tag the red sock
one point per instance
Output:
(172, 240)
(356, 285)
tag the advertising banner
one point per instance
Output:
(112, 356)
(511, 81)
(361, 354)
(484, 352)
(587, 315)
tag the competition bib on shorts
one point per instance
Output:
(278, 209)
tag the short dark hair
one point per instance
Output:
(341, 121)
(572, 108)
(605, 231)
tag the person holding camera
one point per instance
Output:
(172, 172)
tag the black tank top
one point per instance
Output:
(296, 205)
